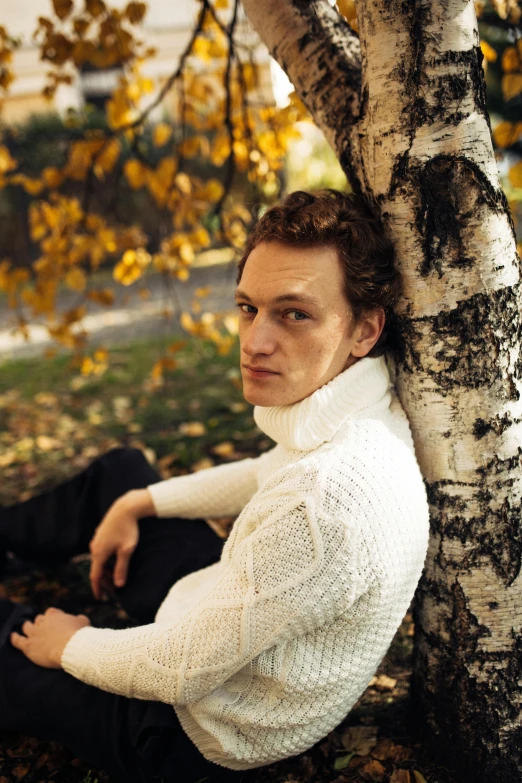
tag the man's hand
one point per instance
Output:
(116, 537)
(43, 641)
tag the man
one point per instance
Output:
(252, 654)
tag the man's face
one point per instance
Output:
(296, 328)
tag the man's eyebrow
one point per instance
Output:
(289, 297)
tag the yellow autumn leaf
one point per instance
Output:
(95, 7)
(490, 55)
(176, 346)
(200, 237)
(510, 59)
(213, 190)
(76, 279)
(225, 449)
(29, 184)
(107, 158)
(183, 183)
(504, 134)
(62, 8)
(136, 173)
(193, 429)
(7, 163)
(52, 177)
(135, 12)
(201, 48)
(511, 85)
(162, 134)
(45, 443)
(419, 778)
(189, 148)
(515, 175)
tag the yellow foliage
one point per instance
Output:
(515, 175)
(348, 10)
(489, 53)
(107, 158)
(131, 266)
(102, 296)
(510, 59)
(189, 148)
(136, 173)
(95, 8)
(62, 8)
(81, 155)
(76, 279)
(511, 85)
(162, 134)
(507, 133)
(7, 163)
(30, 184)
(52, 177)
(135, 12)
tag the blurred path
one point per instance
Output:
(130, 318)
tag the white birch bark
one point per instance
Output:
(421, 150)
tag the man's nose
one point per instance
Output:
(259, 338)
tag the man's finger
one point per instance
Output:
(27, 627)
(18, 641)
(121, 568)
(95, 577)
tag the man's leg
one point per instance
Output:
(52, 705)
(54, 526)
(106, 730)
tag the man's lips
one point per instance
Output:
(259, 372)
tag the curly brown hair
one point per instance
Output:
(344, 221)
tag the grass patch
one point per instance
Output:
(53, 421)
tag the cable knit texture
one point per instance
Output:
(265, 652)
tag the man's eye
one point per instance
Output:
(246, 308)
(296, 315)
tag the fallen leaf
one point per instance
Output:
(359, 739)
(45, 443)
(418, 777)
(225, 449)
(383, 683)
(193, 429)
(202, 464)
(21, 771)
(373, 770)
(343, 761)
(400, 776)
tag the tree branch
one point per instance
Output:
(320, 53)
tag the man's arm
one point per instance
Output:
(276, 584)
(220, 491)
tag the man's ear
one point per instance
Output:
(368, 331)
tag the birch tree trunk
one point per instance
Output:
(406, 114)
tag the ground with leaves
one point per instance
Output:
(53, 422)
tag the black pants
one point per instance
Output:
(131, 739)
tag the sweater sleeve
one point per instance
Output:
(293, 574)
(220, 491)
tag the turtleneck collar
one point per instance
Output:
(307, 424)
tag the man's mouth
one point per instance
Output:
(259, 372)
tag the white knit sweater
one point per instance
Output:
(265, 652)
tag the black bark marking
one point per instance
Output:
(498, 425)
(495, 533)
(471, 343)
(451, 188)
(454, 704)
